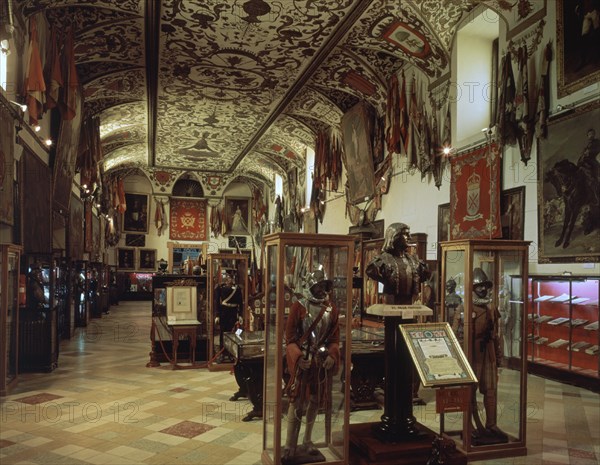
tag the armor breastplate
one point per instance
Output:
(320, 333)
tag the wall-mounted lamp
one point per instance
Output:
(37, 128)
(48, 142)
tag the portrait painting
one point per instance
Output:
(147, 259)
(443, 226)
(357, 127)
(237, 211)
(512, 213)
(568, 188)
(126, 258)
(135, 218)
(577, 39)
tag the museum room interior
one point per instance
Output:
(299, 231)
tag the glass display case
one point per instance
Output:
(562, 328)
(9, 315)
(306, 402)
(80, 295)
(485, 307)
(161, 334)
(38, 318)
(227, 303)
(62, 291)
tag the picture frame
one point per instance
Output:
(437, 354)
(147, 259)
(568, 225)
(237, 211)
(135, 218)
(126, 258)
(237, 241)
(577, 67)
(181, 303)
(357, 126)
(135, 240)
(512, 213)
(443, 225)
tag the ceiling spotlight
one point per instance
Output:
(447, 150)
(22, 106)
(48, 142)
(37, 128)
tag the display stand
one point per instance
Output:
(397, 439)
(187, 329)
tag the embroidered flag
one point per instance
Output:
(543, 95)
(53, 73)
(506, 118)
(35, 88)
(524, 124)
(68, 100)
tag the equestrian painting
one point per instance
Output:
(569, 188)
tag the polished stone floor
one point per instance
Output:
(103, 406)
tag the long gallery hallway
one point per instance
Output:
(103, 406)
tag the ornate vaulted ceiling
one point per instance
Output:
(240, 86)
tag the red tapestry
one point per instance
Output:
(475, 194)
(187, 219)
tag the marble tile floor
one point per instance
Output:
(103, 406)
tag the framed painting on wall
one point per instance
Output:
(568, 188)
(237, 211)
(126, 258)
(512, 213)
(147, 259)
(135, 240)
(577, 34)
(135, 218)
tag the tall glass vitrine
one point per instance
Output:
(486, 308)
(9, 316)
(227, 303)
(306, 417)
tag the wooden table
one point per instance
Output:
(185, 328)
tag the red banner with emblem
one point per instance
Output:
(475, 194)
(187, 219)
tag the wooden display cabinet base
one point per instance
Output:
(366, 449)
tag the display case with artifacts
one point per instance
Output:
(9, 316)
(484, 305)
(38, 318)
(306, 368)
(562, 328)
(227, 303)
(173, 303)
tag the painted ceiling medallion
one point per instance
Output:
(408, 39)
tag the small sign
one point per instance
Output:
(238, 332)
(452, 399)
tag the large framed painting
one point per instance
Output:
(135, 218)
(577, 36)
(187, 219)
(237, 211)
(147, 259)
(357, 129)
(512, 213)
(475, 194)
(126, 258)
(568, 188)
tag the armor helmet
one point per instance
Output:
(451, 285)
(317, 284)
(479, 277)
